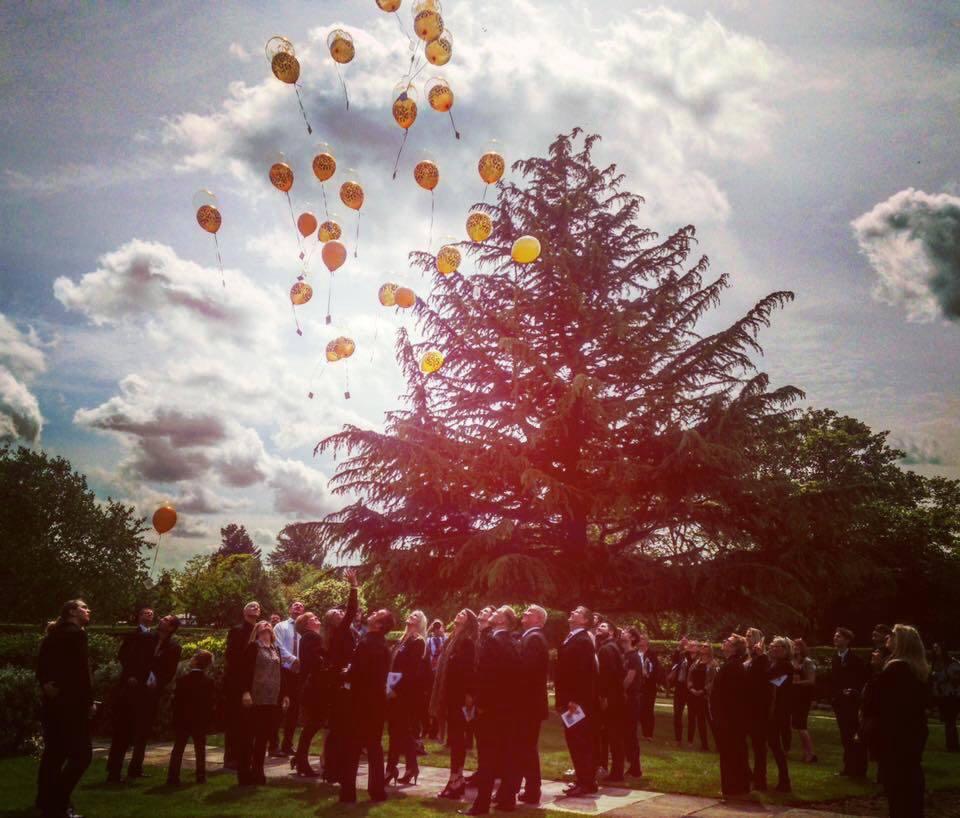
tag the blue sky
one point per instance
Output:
(814, 145)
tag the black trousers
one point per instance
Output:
(259, 722)
(134, 712)
(67, 752)
(368, 737)
(758, 742)
(680, 699)
(697, 719)
(181, 737)
(403, 719)
(496, 755)
(612, 738)
(335, 748)
(903, 783)
(528, 755)
(648, 701)
(846, 710)
(949, 707)
(313, 718)
(232, 724)
(734, 769)
(290, 687)
(631, 741)
(581, 743)
(777, 750)
(456, 737)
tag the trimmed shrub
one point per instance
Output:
(19, 704)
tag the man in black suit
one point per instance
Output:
(576, 689)
(760, 696)
(192, 710)
(613, 700)
(496, 680)
(533, 705)
(237, 638)
(848, 675)
(649, 672)
(366, 679)
(341, 642)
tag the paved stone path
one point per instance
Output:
(612, 802)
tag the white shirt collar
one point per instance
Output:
(143, 628)
(531, 630)
(500, 630)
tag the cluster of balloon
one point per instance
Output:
(164, 519)
(448, 260)
(404, 112)
(343, 51)
(324, 166)
(440, 97)
(393, 295)
(334, 254)
(431, 361)
(281, 177)
(427, 175)
(340, 349)
(525, 250)
(491, 166)
(300, 294)
(351, 194)
(208, 217)
(286, 67)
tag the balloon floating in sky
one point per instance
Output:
(164, 519)
(387, 294)
(286, 67)
(281, 177)
(307, 224)
(426, 174)
(300, 294)
(351, 194)
(343, 51)
(491, 166)
(448, 260)
(208, 217)
(479, 226)
(329, 230)
(404, 112)
(440, 97)
(431, 361)
(334, 254)
(404, 297)
(427, 20)
(344, 347)
(440, 50)
(324, 166)
(525, 250)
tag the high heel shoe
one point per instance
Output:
(303, 768)
(409, 777)
(455, 789)
(390, 775)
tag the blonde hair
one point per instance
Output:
(908, 647)
(755, 636)
(421, 618)
(254, 632)
(784, 643)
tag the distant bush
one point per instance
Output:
(19, 703)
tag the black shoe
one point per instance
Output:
(577, 791)
(529, 797)
(613, 778)
(390, 774)
(636, 772)
(409, 777)
(453, 791)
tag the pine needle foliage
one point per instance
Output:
(579, 417)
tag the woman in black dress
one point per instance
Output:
(451, 682)
(403, 700)
(314, 692)
(780, 677)
(729, 705)
(902, 724)
(699, 684)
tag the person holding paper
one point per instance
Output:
(402, 699)
(780, 677)
(576, 699)
(450, 701)
(365, 684)
(497, 680)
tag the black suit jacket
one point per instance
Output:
(729, 695)
(136, 656)
(577, 673)
(367, 677)
(534, 670)
(193, 702)
(461, 667)
(851, 673)
(238, 637)
(314, 670)
(342, 639)
(164, 661)
(408, 660)
(64, 660)
(498, 675)
(759, 689)
(611, 675)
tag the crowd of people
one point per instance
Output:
(486, 681)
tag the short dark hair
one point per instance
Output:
(846, 633)
(175, 620)
(633, 634)
(203, 659)
(885, 629)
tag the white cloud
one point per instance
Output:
(912, 241)
(21, 360)
(237, 50)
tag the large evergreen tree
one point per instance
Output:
(299, 543)
(234, 540)
(579, 417)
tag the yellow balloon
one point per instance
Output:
(479, 226)
(286, 67)
(329, 231)
(281, 176)
(324, 166)
(389, 5)
(426, 174)
(525, 250)
(344, 347)
(388, 295)
(300, 293)
(209, 218)
(491, 167)
(405, 110)
(440, 50)
(431, 361)
(341, 46)
(332, 354)
(439, 95)
(428, 24)
(351, 194)
(448, 260)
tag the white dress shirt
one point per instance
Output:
(288, 641)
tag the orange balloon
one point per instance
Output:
(344, 347)
(405, 110)
(209, 218)
(281, 176)
(351, 194)
(324, 166)
(300, 293)
(491, 167)
(404, 297)
(286, 67)
(329, 230)
(426, 174)
(306, 224)
(334, 254)
(164, 518)
(332, 354)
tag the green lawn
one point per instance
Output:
(666, 769)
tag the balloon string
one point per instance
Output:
(293, 309)
(329, 298)
(156, 551)
(303, 110)
(346, 96)
(219, 261)
(456, 132)
(396, 164)
(346, 391)
(376, 332)
(484, 197)
(323, 190)
(356, 241)
(419, 69)
(294, 220)
(400, 23)
(433, 201)
(413, 56)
